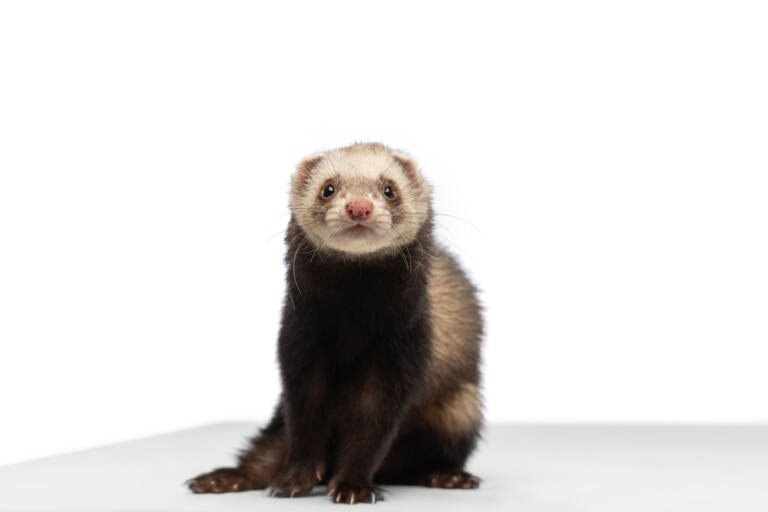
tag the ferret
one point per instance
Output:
(379, 344)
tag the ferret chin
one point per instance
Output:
(379, 345)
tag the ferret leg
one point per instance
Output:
(307, 425)
(365, 430)
(430, 457)
(361, 447)
(256, 467)
(304, 464)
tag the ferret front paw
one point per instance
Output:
(296, 480)
(350, 494)
(222, 480)
(452, 480)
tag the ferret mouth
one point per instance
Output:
(357, 230)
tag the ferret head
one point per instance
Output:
(361, 199)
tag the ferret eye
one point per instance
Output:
(328, 191)
(389, 192)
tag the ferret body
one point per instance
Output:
(379, 345)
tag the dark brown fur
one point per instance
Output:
(379, 359)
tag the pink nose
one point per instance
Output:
(359, 208)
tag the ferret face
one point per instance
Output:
(360, 199)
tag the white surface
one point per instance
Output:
(611, 154)
(533, 468)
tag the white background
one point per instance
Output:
(601, 168)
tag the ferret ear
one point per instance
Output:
(409, 168)
(304, 169)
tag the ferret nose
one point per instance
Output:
(359, 208)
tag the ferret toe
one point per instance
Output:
(352, 494)
(221, 480)
(452, 480)
(294, 482)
